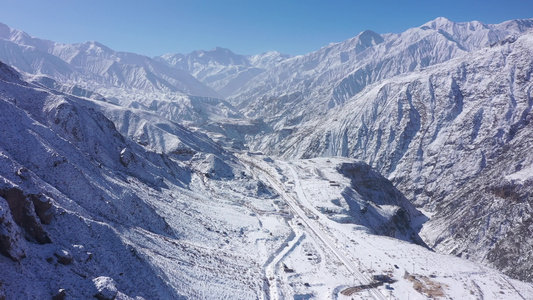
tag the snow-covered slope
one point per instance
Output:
(156, 226)
(321, 80)
(149, 123)
(489, 217)
(86, 212)
(435, 132)
(335, 202)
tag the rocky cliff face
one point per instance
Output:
(332, 75)
(489, 218)
(380, 195)
(435, 133)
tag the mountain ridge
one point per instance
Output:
(93, 61)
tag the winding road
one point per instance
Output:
(310, 225)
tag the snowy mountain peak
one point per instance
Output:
(268, 59)
(92, 61)
(221, 50)
(367, 39)
(218, 55)
(220, 68)
(22, 38)
(370, 37)
(439, 22)
(458, 28)
(520, 25)
(95, 45)
(5, 31)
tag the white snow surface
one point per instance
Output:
(310, 267)
(522, 175)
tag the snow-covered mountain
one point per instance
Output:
(115, 164)
(151, 225)
(85, 212)
(128, 79)
(221, 69)
(93, 63)
(323, 79)
(437, 132)
(433, 130)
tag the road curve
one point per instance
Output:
(307, 222)
(321, 235)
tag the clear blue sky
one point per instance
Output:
(246, 26)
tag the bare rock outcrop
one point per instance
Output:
(11, 241)
(63, 257)
(106, 288)
(23, 210)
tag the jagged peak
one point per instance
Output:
(444, 23)
(271, 54)
(218, 55)
(221, 50)
(22, 38)
(438, 23)
(264, 60)
(215, 51)
(369, 37)
(521, 24)
(443, 20)
(95, 45)
(169, 56)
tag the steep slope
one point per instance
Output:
(431, 109)
(321, 80)
(148, 123)
(157, 118)
(103, 216)
(64, 154)
(350, 192)
(490, 217)
(435, 133)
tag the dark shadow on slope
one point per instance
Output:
(376, 203)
